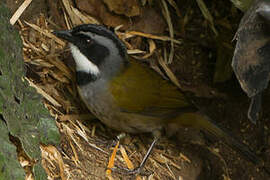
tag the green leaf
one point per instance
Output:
(20, 105)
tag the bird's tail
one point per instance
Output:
(202, 122)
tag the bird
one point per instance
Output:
(251, 59)
(128, 96)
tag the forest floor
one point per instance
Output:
(201, 64)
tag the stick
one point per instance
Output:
(19, 11)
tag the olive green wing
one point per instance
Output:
(138, 89)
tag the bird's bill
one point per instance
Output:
(66, 35)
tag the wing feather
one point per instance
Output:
(138, 89)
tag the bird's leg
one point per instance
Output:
(142, 164)
(113, 141)
(121, 136)
(118, 138)
(157, 135)
(138, 169)
(113, 155)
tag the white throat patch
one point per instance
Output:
(82, 63)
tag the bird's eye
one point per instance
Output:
(88, 40)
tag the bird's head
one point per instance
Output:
(97, 51)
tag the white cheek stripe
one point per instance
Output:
(82, 63)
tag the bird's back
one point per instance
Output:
(140, 90)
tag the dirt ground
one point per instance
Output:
(193, 155)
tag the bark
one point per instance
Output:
(21, 112)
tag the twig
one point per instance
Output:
(19, 12)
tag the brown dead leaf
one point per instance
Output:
(150, 22)
(91, 7)
(98, 9)
(152, 48)
(123, 7)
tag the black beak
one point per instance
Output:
(66, 35)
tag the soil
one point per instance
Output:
(225, 102)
